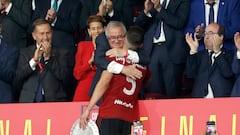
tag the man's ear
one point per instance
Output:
(222, 37)
(33, 35)
(89, 32)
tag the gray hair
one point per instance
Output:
(114, 24)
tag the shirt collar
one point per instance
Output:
(216, 1)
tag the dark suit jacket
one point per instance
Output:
(8, 64)
(67, 20)
(15, 24)
(220, 75)
(236, 70)
(174, 19)
(52, 76)
(228, 16)
(122, 11)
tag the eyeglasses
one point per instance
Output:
(210, 33)
(119, 37)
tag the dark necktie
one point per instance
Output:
(210, 59)
(39, 95)
(211, 12)
(55, 5)
(158, 28)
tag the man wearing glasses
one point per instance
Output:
(211, 68)
(114, 37)
(224, 12)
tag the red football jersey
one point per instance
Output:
(121, 98)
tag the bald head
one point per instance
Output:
(214, 33)
(216, 28)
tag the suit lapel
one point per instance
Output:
(214, 64)
(205, 61)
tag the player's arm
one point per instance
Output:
(99, 90)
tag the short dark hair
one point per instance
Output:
(135, 36)
(221, 30)
(39, 21)
(95, 18)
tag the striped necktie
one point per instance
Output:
(55, 5)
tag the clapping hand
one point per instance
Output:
(4, 4)
(106, 6)
(237, 40)
(46, 47)
(84, 119)
(199, 30)
(38, 53)
(147, 6)
(192, 43)
(51, 15)
(216, 42)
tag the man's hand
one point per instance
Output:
(106, 6)
(199, 30)
(38, 53)
(84, 119)
(109, 6)
(115, 52)
(216, 42)
(101, 9)
(132, 72)
(237, 40)
(51, 15)
(192, 43)
(46, 47)
(147, 6)
(4, 4)
(157, 5)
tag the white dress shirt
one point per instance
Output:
(215, 8)
(162, 34)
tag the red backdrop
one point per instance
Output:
(161, 117)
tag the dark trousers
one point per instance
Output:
(113, 127)
(166, 75)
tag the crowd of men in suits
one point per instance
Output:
(171, 27)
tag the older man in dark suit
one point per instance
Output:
(225, 12)
(41, 68)
(211, 68)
